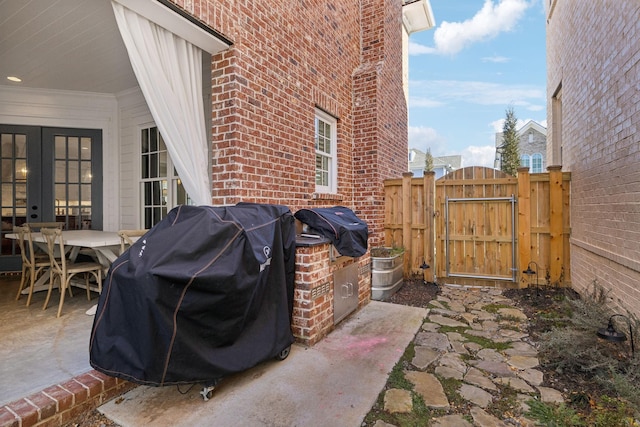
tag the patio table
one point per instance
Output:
(105, 244)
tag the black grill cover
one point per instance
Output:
(347, 232)
(205, 293)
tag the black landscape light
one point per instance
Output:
(610, 334)
(424, 267)
(529, 272)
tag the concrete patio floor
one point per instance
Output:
(335, 382)
(37, 349)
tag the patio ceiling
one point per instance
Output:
(63, 44)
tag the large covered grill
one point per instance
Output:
(205, 293)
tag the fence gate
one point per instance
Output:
(476, 231)
(480, 238)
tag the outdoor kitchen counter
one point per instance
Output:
(305, 240)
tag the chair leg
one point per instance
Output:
(32, 282)
(66, 285)
(23, 281)
(52, 279)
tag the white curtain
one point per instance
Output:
(169, 72)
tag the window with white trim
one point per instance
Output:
(326, 159)
(536, 163)
(160, 186)
(525, 161)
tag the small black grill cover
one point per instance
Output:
(347, 232)
(205, 293)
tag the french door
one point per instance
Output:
(48, 174)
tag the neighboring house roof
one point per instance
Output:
(417, 159)
(453, 162)
(532, 139)
(530, 125)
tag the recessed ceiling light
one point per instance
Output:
(14, 79)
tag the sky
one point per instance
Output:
(481, 58)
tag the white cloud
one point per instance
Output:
(493, 19)
(419, 49)
(424, 102)
(439, 92)
(496, 59)
(478, 156)
(423, 137)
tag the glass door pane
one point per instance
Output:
(48, 174)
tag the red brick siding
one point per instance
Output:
(288, 58)
(60, 404)
(593, 51)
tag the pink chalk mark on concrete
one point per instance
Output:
(361, 346)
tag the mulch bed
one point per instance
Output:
(542, 306)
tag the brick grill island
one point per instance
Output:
(315, 289)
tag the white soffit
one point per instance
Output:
(417, 16)
(172, 20)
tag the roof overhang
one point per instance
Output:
(173, 19)
(417, 16)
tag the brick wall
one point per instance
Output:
(314, 292)
(60, 404)
(593, 58)
(287, 59)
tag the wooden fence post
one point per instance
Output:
(556, 248)
(407, 219)
(524, 224)
(429, 183)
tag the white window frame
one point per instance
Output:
(170, 183)
(525, 161)
(535, 157)
(331, 156)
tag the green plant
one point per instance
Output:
(387, 252)
(396, 377)
(487, 343)
(551, 415)
(450, 386)
(610, 412)
(507, 404)
(510, 148)
(493, 308)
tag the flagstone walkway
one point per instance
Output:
(474, 341)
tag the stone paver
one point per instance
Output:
(453, 361)
(398, 400)
(475, 395)
(446, 321)
(446, 372)
(482, 418)
(523, 362)
(424, 357)
(517, 384)
(428, 386)
(481, 370)
(500, 369)
(451, 421)
(433, 340)
(476, 377)
(532, 376)
(550, 395)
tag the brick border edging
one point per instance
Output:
(60, 404)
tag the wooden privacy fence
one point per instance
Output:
(479, 225)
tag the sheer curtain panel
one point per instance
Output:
(169, 72)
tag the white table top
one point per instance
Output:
(84, 238)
